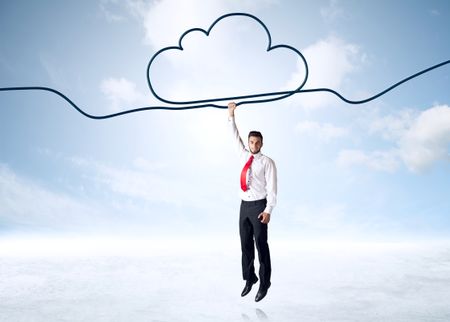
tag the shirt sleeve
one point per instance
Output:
(236, 137)
(271, 186)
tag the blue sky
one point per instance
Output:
(378, 170)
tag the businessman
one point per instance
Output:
(258, 191)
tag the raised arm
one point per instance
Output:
(234, 130)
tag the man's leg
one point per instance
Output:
(247, 245)
(260, 231)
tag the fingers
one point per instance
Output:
(264, 218)
(232, 105)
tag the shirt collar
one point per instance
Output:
(257, 155)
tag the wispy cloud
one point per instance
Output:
(321, 131)
(112, 10)
(145, 182)
(121, 92)
(136, 199)
(374, 160)
(175, 17)
(30, 205)
(332, 11)
(434, 12)
(393, 126)
(330, 61)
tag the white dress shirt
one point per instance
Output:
(262, 175)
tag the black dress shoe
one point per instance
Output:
(248, 287)
(261, 292)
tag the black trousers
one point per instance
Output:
(253, 231)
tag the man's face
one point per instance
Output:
(255, 144)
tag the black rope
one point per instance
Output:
(209, 102)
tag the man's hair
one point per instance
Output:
(256, 134)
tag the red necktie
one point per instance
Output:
(244, 173)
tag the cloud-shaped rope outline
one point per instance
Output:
(281, 95)
(209, 103)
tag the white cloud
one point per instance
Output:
(121, 93)
(375, 160)
(174, 17)
(322, 131)
(109, 10)
(393, 126)
(146, 181)
(139, 184)
(330, 61)
(420, 139)
(428, 139)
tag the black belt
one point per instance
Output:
(254, 202)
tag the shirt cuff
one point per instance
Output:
(268, 209)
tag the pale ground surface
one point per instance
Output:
(145, 281)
